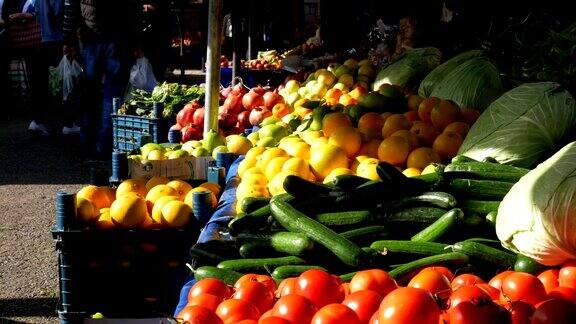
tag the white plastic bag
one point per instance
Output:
(71, 73)
(142, 76)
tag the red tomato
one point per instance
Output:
(522, 286)
(320, 287)
(210, 286)
(248, 321)
(409, 305)
(563, 293)
(335, 314)
(443, 270)
(444, 317)
(554, 311)
(567, 275)
(255, 293)
(520, 312)
(433, 282)
(496, 281)
(549, 279)
(286, 287)
(491, 291)
(364, 303)
(235, 310)
(295, 308)
(478, 313)
(198, 315)
(468, 293)
(375, 279)
(209, 301)
(346, 287)
(264, 279)
(268, 313)
(466, 279)
(375, 318)
(273, 320)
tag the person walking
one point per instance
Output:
(104, 31)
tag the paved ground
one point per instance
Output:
(32, 170)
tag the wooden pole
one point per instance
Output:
(236, 32)
(213, 65)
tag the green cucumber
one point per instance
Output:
(343, 218)
(348, 181)
(480, 189)
(246, 265)
(485, 171)
(366, 234)
(429, 178)
(257, 249)
(256, 219)
(388, 173)
(289, 271)
(527, 264)
(251, 204)
(431, 199)
(439, 227)
(301, 188)
(479, 206)
(411, 215)
(462, 159)
(451, 257)
(295, 221)
(228, 276)
(283, 242)
(422, 248)
(485, 253)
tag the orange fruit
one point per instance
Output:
(182, 187)
(367, 169)
(214, 187)
(385, 116)
(325, 158)
(426, 133)
(156, 180)
(128, 210)
(469, 115)
(280, 110)
(298, 166)
(370, 148)
(412, 115)
(447, 145)
(394, 150)
(148, 223)
(132, 185)
(421, 157)
(298, 149)
(275, 166)
(86, 210)
(444, 113)
(460, 128)
(414, 102)
(337, 172)
(101, 197)
(157, 192)
(394, 123)
(156, 213)
(409, 136)
(360, 158)
(411, 172)
(110, 193)
(332, 121)
(370, 125)
(425, 108)
(347, 138)
(347, 100)
(104, 221)
(333, 94)
(176, 214)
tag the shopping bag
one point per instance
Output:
(142, 75)
(71, 73)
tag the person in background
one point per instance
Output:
(105, 32)
(155, 35)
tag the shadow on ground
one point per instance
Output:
(27, 307)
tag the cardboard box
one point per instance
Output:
(188, 168)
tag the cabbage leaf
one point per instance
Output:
(407, 70)
(524, 126)
(433, 78)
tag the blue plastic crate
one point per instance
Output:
(131, 132)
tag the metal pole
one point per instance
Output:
(235, 37)
(213, 62)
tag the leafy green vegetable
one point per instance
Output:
(408, 69)
(474, 84)
(524, 126)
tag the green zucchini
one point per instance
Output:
(485, 171)
(295, 221)
(417, 215)
(439, 227)
(348, 181)
(246, 265)
(255, 220)
(429, 178)
(251, 204)
(485, 253)
(450, 257)
(462, 159)
(258, 249)
(527, 264)
(388, 173)
(228, 276)
(366, 234)
(480, 189)
(343, 218)
(301, 188)
(289, 271)
(432, 199)
(479, 206)
(283, 242)
(422, 248)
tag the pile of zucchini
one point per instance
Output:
(398, 224)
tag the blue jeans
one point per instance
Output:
(107, 73)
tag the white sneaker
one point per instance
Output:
(40, 128)
(71, 130)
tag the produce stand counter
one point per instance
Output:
(219, 220)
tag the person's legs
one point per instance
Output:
(93, 69)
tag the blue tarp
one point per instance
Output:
(219, 220)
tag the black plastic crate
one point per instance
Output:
(131, 132)
(120, 273)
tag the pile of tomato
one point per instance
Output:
(434, 295)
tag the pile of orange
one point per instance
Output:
(156, 203)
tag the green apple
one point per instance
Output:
(200, 151)
(155, 155)
(178, 154)
(253, 137)
(267, 141)
(291, 86)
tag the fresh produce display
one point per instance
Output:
(157, 152)
(156, 203)
(173, 96)
(269, 60)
